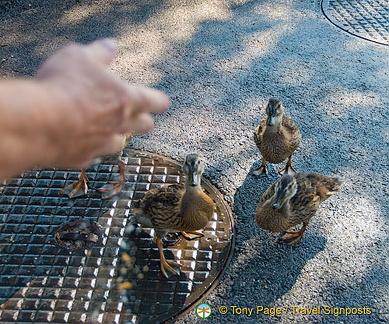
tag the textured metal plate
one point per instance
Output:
(41, 282)
(365, 19)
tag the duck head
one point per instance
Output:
(285, 188)
(193, 168)
(274, 111)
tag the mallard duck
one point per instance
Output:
(277, 137)
(176, 208)
(80, 187)
(293, 200)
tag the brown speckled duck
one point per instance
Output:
(80, 187)
(176, 208)
(277, 137)
(293, 200)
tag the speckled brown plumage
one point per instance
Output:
(277, 137)
(277, 146)
(293, 200)
(159, 208)
(173, 209)
(176, 208)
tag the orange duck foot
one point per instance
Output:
(260, 171)
(190, 238)
(296, 235)
(78, 188)
(114, 187)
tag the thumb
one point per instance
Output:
(102, 51)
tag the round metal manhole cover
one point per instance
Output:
(365, 19)
(42, 282)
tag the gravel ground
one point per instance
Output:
(220, 61)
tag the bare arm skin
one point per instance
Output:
(72, 112)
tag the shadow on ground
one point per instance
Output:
(219, 74)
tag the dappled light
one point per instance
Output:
(254, 47)
(340, 104)
(156, 37)
(220, 62)
(80, 13)
(272, 11)
(295, 71)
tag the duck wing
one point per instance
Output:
(258, 133)
(312, 190)
(293, 131)
(160, 207)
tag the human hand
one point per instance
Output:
(94, 107)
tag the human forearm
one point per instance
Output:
(72, 112)
(30, 114)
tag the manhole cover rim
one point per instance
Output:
(325, 8)
(29, 198)
(231, 246)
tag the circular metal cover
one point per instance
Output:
(368, 19)
(118, 280)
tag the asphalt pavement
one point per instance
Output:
(220, 62)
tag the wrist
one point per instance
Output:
(33, 119)
(60, 121)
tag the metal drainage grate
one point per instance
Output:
(42, 282)
(365, 19)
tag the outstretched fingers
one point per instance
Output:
(101, 51)
(137, 105)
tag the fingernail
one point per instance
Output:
(109, 43)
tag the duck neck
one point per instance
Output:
(273, 129)
(196, 206)
(276, 127)
(192, 190)
(191, 201)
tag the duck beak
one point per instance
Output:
(279, 201)
(277, 206)
(271, 121)
(193, 179)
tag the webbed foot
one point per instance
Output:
(190, 238)
(114, 187)
(78, 188)
(296, 235)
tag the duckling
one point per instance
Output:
(277, 137)
(176, 208)
(293, 200)
(80, 187)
